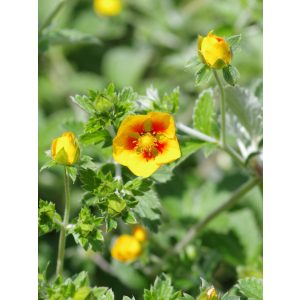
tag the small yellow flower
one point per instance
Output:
(145, 142)
(139, 233)
(65, 149)
(126, 248)
(212, 294)
(214, 51)
(107, 7)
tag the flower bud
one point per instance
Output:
(107, 7)
(139, 233)
(214, 51)
(65, 149)
(126, 248)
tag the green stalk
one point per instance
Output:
(62, 236)
(223, 115)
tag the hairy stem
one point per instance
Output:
(203, 137)
(62, 236)
(223, 116)
(195, 133)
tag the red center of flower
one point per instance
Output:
(147, 140)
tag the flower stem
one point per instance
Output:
(52, 15)
(223, 116)
(62, 236)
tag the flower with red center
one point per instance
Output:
(145, 142)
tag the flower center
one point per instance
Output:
(147, 141)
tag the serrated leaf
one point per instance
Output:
(230, 297)
(247, 109)
(161, 290)
(129, 218)
(86, 231)
(148, 210)
(84, 102)
(252, 288)
(231, 75)
(48, 218)
(204, 112)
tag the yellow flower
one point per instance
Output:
(214, 51)
(212, 294)
(65, 149)
(139, 233)
(126, 248)
(145, 142)
(107, 7)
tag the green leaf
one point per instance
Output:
(116, 62)
(65, 37)
(116, 206)
(252, 288)
(161, 290)
(86, 231)
(243, 223)
(89, 179)
(48, 218)
(234, 41)
(230, 297)
(95, 138)
(129, 218)
(84, 102)
(203, 74)
(148, 210)
(231, 75)
(203, 116)
(127, 298)
(72, 173)
(247, 109)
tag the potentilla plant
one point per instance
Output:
(146, 144)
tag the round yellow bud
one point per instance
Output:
(126, 248)
(139, 233)
(65, 149)
(107, 7)
(214, 51)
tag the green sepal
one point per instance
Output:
(203, 74)
(49, 164)
(72, 173)
(219, 64)
(230, 75)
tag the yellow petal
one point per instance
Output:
(164, 121)
(170, 152)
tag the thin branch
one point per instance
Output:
(198, 227)
(103, 264)
(195, 133)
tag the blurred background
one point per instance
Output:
(149, 44)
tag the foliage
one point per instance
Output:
(94, 71)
